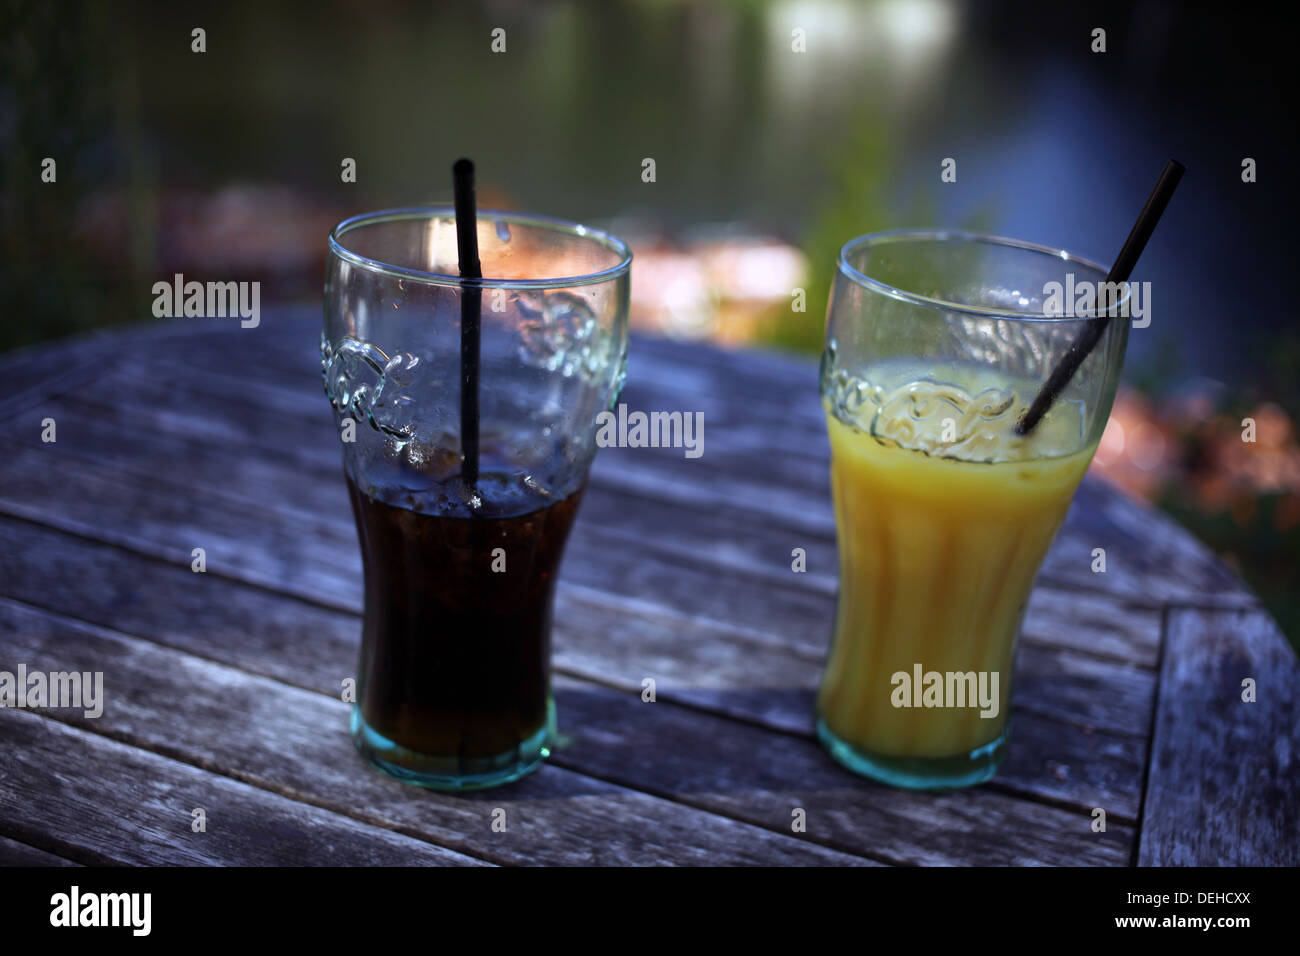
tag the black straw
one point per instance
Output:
(471, 301)
(1119, 272)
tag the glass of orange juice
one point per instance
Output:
(936, 343)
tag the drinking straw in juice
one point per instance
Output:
(944, 515)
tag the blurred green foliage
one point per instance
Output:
(861, 197)
(857, 201)
(65, 84)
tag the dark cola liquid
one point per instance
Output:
(456, 657)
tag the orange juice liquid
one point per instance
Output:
(943, 517)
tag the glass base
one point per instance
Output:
(453, 773)
(919, 773)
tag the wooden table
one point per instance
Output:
(223, 688)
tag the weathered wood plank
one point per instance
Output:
(248, 627)
(787, 613)
(759, 402)
(684, 645)
(288, 740)
(792, 454)
(683, 563)
(774, 390)
(31, 374)
(294, 742)
(1104, 625)
(168, 520)
(1149, 557)
(13, 853)
(1061, 749)
(1224, 782)
(764, 778)
(260, 414)
(318, 560)
(622, 543)
(102, 801)
(1056, 754)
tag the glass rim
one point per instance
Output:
(404, 213)
(943, 305)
